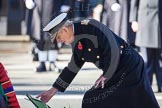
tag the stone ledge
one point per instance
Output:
(15, 43)
(14, 38)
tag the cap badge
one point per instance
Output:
(80, 46)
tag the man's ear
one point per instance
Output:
(65, 29)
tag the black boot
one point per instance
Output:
(52, 66)
(35, 58)
(41, 67)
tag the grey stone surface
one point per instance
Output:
(21, 68)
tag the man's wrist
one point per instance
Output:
(54, 89)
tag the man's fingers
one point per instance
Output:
(44, 100)
(103, 83)
(38, 96)
(96, 84)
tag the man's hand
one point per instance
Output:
(47, 95)
(134, 26)
(100, 81)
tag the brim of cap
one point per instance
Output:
(55, 29)
(56, 21)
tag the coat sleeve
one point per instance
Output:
(134, 10)
(68, 73)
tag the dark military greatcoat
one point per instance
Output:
(127, 84)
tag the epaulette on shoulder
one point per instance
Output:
(85, 22)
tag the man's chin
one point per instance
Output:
(66, 43)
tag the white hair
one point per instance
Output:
(68, 23)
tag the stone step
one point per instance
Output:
(14, 38)
(15, 43)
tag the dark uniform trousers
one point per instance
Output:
(153, 60)
(127, 84)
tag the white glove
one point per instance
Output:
(30, 4)
(98, 8)
(65, 8)
(97, 12)
(115, 7)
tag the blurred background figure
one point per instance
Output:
(47, 50)
(33, 22)
(146, 18)
(0, 8)
(14, 16)
(32, 26)
(116, 16)
(80, 9)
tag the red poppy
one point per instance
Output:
(80, 46)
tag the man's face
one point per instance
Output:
(65, 35)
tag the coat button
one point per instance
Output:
(89, 49)
(83, 59)
(98, 57)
